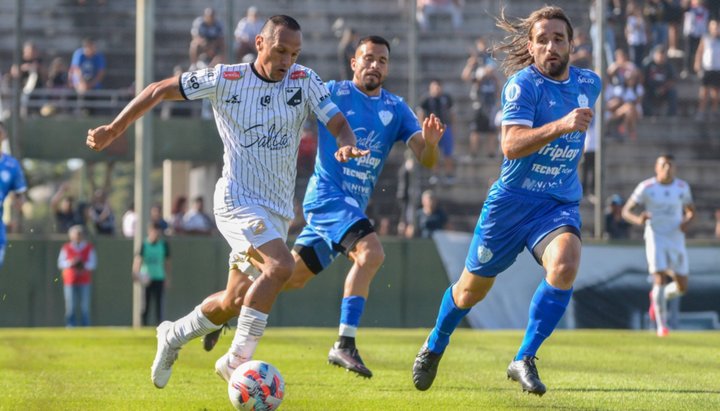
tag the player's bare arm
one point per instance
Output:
(688, 216)
(634, 218)
(345, 138)
(168, 89)
(425, 148)
(519, 141)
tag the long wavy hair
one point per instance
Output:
(515, 43)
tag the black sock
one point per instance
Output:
(346, 342)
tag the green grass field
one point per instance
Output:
(109, 369)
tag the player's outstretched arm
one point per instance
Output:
(520, 141)
(168, 89)
(426, 148)
(346, 141)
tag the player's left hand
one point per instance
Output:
(684, 226)
(345, 153)
(101, 137)
(432, 130)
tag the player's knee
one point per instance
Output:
(563, 274)
(282, 270)
(370, 258)
(296, 283)
(231, 304)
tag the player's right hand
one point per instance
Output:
(579, 119)
(644, 216)
(101, 137)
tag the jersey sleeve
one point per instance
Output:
(409, 124)
(18, 183)
(638, 195)
(687, 198)
(319, 99)
(200, 84)
(519, 98)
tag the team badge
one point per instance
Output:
(512, 93)
(232, 75)
(299, 74)
(5, 176)
(385, 116)
(583, 101)
(484, 254)
(295, 94)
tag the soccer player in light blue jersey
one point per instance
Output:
(338, 194)
(12, 180)
(535, 202)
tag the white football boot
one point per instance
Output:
(164, 358)
(223, 368)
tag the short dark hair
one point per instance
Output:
(279, 20)
(667, 156)
(374, 40)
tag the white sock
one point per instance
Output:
(347, 331)
(251, 326)
(189, 327)
(660, 305)
(672, 291)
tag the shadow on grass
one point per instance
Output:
(639, 390)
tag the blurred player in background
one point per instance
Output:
(668, 210)
(338, 194)
(259, 111)
(535, 202)
(12, 180)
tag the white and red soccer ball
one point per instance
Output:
(256, 386)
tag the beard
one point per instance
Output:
(558, 68)
(371, 83)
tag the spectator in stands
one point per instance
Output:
(621, 69)
(31, 70)
(616, 228)
(582, 51)
(156, 218)
(207, 38)
(87, 67)
(609, 29)
(440, 104)
(694, 28)
(673, 16)
(128, 222)
(636, 33)
(65, 211)
(77, 261)
(654, 12)
(151, 267)
(196, 221)
(430, 217)
(346, 52)
(101, 214)
(428, 8)
(625, 104)
(178, 211)
(707, 62)
(245, 32)
(57, 76)
(480, 71)
(660, 88)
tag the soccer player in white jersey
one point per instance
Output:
(668, 211)
(337, 194)
(259, 111)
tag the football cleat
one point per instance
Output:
(210, 340)
(164, 358)
(651, 310)
(223, 368)
(525, 372)
(425, 368)
(348, 358)
(663, 332)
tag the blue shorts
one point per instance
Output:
(327, 224)
(446, 142)
(508, 222)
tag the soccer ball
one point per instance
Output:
(256, 386)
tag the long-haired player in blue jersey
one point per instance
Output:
(338, 193)
(12, 180)
(535, 202)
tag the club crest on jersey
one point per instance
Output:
(232, 75)
(5, 176)
(295, 94)
(298, 75)
(484, 254)
(385, 116)
(583, 101)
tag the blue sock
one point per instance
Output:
(351, 310)
(546, 308)
(448, 319)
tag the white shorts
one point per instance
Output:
(250, 227)
(666, 252)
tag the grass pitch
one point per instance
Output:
(109, 369)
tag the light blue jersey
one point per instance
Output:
(531, 99)
(338, 193)
(378, 122)
(11, 180)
